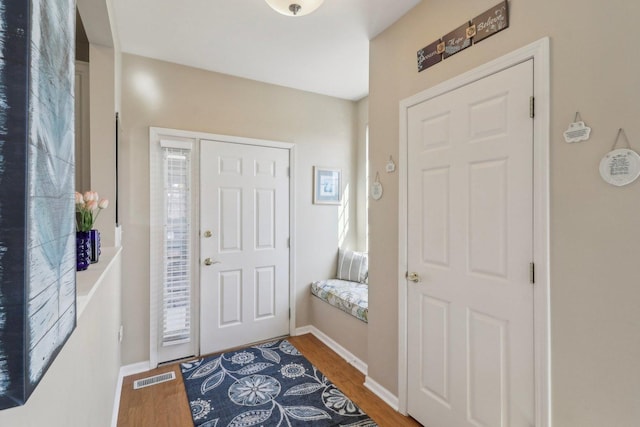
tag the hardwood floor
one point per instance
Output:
(166, 404)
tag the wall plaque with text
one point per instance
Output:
(482, 26)
(491, 22)
(456, 41)
(430, 55)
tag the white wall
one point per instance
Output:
(79, 387)
(162, 94)
(595, 227)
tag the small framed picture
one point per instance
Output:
(327, 186)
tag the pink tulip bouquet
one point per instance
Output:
(88, 207)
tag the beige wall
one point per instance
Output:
(347, 330)
(79, 387)
(103, 135)
(361, 158)
(156, 93)
(595, 227)
(343, 328)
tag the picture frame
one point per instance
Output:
(327, 186)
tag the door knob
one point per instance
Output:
(209, 261)
(414, 277)
(208, 234)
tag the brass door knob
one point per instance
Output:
(414, 277)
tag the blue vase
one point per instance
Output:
(83, 250)
(95, 245)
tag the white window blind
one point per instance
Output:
(176, 292)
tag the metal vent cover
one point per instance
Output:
(156, 379)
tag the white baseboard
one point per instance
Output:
(125, 371)
(340, 350)
(384, 394)
(135, 368)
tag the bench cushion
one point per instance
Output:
(351, 297)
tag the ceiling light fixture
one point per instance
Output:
(294, 7)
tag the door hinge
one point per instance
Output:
(288, 242)
(532, 273)
(532, 107)
(289, 172)
(289, 313)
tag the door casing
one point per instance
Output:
(157, 133)
(539, 52)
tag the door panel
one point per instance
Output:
(435, 216)
(230, 300)
(435, 348)
(245, 204)
(470, 240)
(487, 217)
(265, 219)
(230, 202)
(265, 292)
(487, 369)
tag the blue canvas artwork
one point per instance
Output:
(4, 368)
(37, 234)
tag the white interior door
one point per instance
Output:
(244, 250)
(470, 245)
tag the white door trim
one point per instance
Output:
(155, 134)
(539, 52)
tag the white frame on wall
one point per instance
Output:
(157, 133)
(335, 196)
(539, 53)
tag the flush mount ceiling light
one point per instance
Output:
(294, 7)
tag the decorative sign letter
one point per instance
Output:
(577, 132)
(430, 55)
(620, 167)
(491, 22)
(456, 41)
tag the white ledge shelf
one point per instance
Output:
(88, 281)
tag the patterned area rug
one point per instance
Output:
(269, 384)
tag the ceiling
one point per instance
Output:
(326, 52)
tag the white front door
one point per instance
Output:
(470, 245)
(244, 250)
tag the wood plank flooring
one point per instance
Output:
(166, 405)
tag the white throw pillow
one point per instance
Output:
(352, 266)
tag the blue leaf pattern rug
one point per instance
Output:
(269, 384)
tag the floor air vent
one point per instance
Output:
(156, 379)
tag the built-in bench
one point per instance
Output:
(350, 297)
(349, 291)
